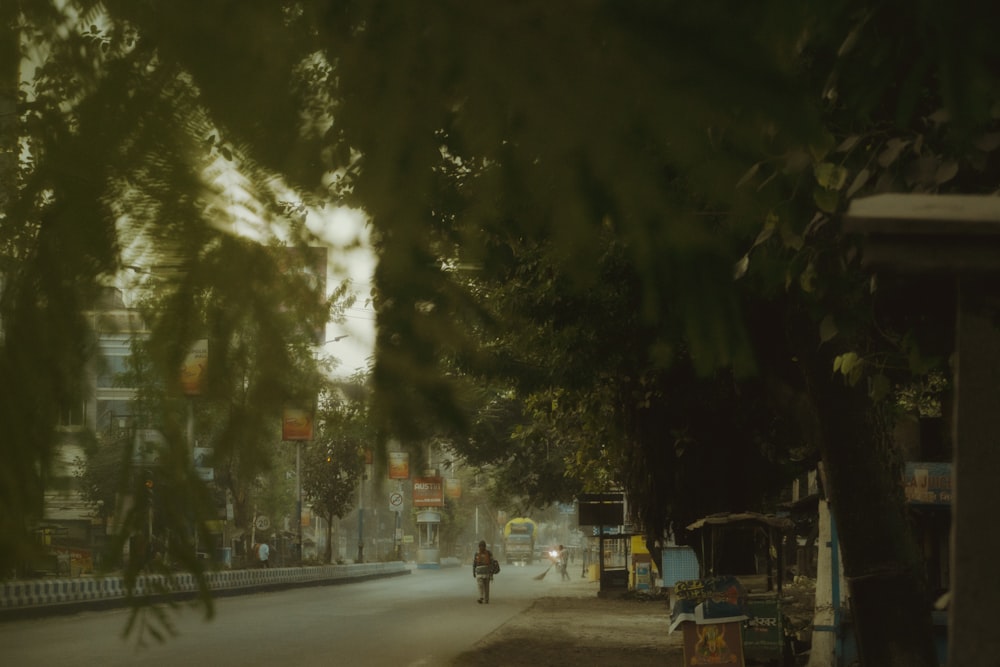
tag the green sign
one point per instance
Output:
(763, 632)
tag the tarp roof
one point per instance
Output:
(726, 518)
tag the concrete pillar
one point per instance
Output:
(975, 542)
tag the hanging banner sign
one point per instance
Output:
(193, 368)
(296, 424)
(399, 465)
(203, 463)
(927, 483)
(453, 488)
(428, 492)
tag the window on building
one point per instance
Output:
(114, 416)
(72, 412)
(111, 369)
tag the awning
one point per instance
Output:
(780, 522)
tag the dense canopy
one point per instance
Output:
(605, 230)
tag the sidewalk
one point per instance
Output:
(578, 628)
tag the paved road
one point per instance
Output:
(418, 620)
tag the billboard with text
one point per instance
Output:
(428, 492)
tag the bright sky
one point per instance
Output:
(343, 230)
(350, 257)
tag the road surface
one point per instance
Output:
(423, 619)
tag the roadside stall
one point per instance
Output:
(741, 565)
(710, 612)
(604, 514)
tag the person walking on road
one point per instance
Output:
(264, 553)
(563, 556)
(482, 571)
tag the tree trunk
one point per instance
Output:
(824, 639)
(17, 497)
(889, 603)
(10, 76)
(328, 551)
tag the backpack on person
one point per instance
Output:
(489, 568)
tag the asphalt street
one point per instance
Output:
(422, 619)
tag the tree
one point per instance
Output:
(695, 132)
(334, 461)
(593, 406)
(9, 85)
(100, 475)
(151, 207)
(261, 359)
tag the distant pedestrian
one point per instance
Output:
(264, 553)
(482, 571)
(563, 556)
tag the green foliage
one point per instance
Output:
(333, 463)
(923, 396)
(588, 399)
(125, 171)
(607, 178)
(100, 474)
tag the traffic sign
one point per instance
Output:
(395, 501)
(262, 522)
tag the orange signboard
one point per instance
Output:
(399, 465)
(713, 644)
(453, 487)
(296, 424)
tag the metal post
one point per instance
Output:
(361, 520)
(298, 495)
(190, 425)
(190, 437)
(396, 538)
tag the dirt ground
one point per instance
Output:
(577, 628)
(575, 631)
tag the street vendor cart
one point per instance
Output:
(745, 550)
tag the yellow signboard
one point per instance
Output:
(193, 368)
